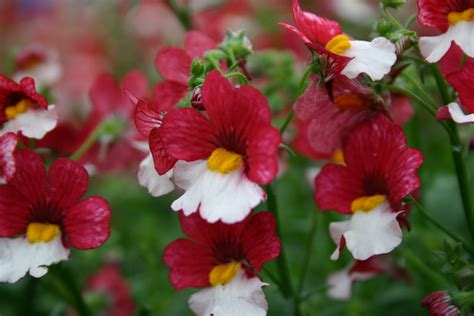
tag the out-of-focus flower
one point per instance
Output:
(345, 56)
(223, 259)
(439, 304)
(455, 19)
(8, 144)
(109, 281)
(357, 11)
(41, 216)
(24, 110)
(222, 157)
(379, 172)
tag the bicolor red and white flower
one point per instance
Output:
(222, 156)
(440, 304)
(41, 216)
(344, 56)
(8, 144)
(223, 259)
(379, 172)
(24, 110)
(455, 21)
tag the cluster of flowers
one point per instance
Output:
(213, 138)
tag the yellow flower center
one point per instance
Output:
(224, 161)
(367, 203)
(338, 44)
(223, 273)
(456, 17)
(12, 111)
(39, 232)
(338, 157)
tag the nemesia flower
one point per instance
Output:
(347, 57)
(220, 158)
(379, 172)
(439, 304)
(24, 110)
(454, 19)
(109, 281)
(8, 144)
(40, 64)
(41, 216)
(223, 259)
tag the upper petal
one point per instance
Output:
(163, 161)
(434, 13)
(197, 43)
(262, 156)
(168, 93)
(13, 212)
(174, 64)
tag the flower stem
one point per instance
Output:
(308, 251)
(181, 14)
(440, 226)
(87, 144)
(413, 260)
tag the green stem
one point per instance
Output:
(441, 83)
(91, 139)
(308, 251)
(181, 14)
(242, 79)
(415, 261)
(440, 226)
(391, 19)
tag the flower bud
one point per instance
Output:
(238, 43)
(196, 99)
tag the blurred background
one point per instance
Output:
(87, 38)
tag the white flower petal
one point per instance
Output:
(336, 230)
(227, 197)
(242, 296)
(45, 74)
(458, 115)
(149, 178)
(18, 257)
(374, 58)
(34, 123)
(433, 48)
(340, 285)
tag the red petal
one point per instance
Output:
(105, 95)
(13, 212)
(8, 144)
(259, 240)
(262, 156)
(190, 264)
(317, 29)
(163, 161)
(197, 43)
(442, 114)
(187, 135)
(401, 110)
(174, 64)
(434, 13)
(69, 182)
(28, 87)
(301, 143)
(453, 60)
(168, 93)
(87, 224)
(462, 81)
(135, 82)
(147, 116)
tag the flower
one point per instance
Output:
(223, 259)
(41, 216)
(439, 304)
(220, 158)
(379, 172)
(8, 144)
(454, 19)
(24, 110)
(345, 56)
(109, 281)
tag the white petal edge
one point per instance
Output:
(458, 115)
(242, 296)
(433, 48)
(18, 257)
(34, 123)
(340, 282)
(149, 178)
(226, 197)
(374, 58)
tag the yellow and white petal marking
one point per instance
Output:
(39, 232)
(337, 156)
(13, 111)
(374, 58)
(367, 203)
(339, 44)
(224, 161)
(241, 296)
(18, 256)
(218, 196)
(224, 273)
(368, 233)
(33, 123)
(461, 28)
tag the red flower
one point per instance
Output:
(378, 162)
(439, 304)
(251, 243)
(8, 144)
(34, 197)
(434, 13)
(109, 281)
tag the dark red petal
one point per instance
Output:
(442, 114)
(174, 64)
(301, 143)
(87, 224)
(297, 32)
(453, 60)
(8, 144)
(30, 177)
(403, 180)
(168, 93)
(434, 13)
(13, 212)
(28, 87)
(187, 135)
(105, 95)
(262, 156)
(317, 29)
(197, 43)
(463, 81)
(401, 110)
(190, 264)
(196, 228)
(69, 181)
(336, 188)
(163, 161)
(259, 240)
(147, 116)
